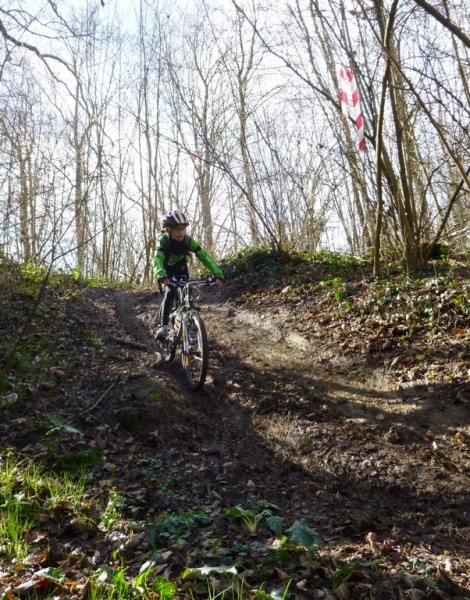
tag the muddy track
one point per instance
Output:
(379, 469)
(333, 441)
(354, 434)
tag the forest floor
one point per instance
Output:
(354, 440)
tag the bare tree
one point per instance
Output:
(401, 160)
(231, 112)
(196, 79)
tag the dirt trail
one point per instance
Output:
(352, 431)
(376, 468)
(381, 470)
(333, 441)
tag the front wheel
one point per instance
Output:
(195, 354)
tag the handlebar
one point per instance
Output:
(210, 280)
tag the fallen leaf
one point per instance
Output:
(342, 592)
(34, 537)
(8, 400)
(282, 574)
(371, 539)
(388, 544)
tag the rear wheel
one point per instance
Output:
(196, 359)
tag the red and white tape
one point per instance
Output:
(350, 106)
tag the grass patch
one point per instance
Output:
(26, 491)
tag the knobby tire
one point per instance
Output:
(196, 361)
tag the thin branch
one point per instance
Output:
(36, 51)
(443, 20)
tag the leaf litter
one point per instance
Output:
(343, 436)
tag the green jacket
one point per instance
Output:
(171, 256)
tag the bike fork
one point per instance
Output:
(185, 338)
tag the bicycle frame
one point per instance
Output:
(184, 300)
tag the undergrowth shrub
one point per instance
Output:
(273, 267)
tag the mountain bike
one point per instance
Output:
(187, 331)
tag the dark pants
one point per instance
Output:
(170, 293)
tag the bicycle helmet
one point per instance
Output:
(173, 218)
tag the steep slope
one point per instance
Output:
(328, 444)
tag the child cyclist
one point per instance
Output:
(170, 260)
